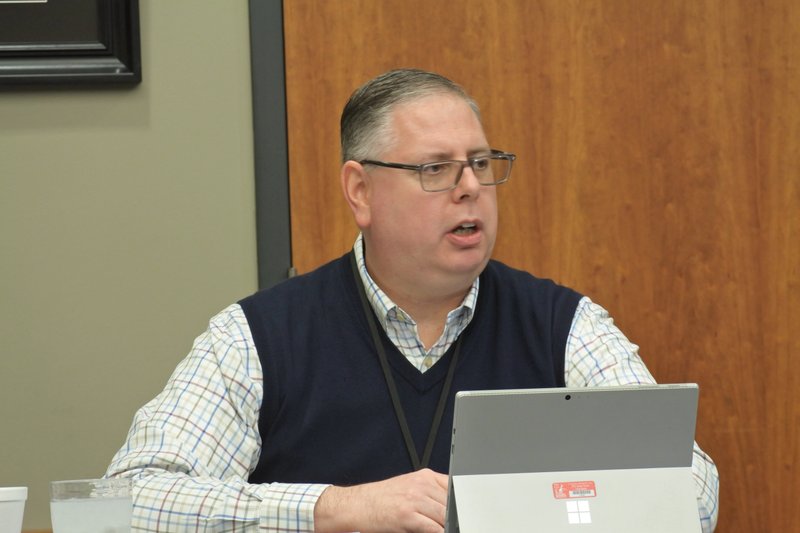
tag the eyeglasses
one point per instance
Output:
(491, 169)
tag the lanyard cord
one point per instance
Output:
(387, 374)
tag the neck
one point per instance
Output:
(427, 306)
(430, 319)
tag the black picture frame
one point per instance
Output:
(69, 42)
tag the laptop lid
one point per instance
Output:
(606, 459)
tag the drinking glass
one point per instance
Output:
(91, 506)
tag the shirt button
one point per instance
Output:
(427, 362)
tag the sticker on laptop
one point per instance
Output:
(574, 489)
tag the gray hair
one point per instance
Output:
(365, 118)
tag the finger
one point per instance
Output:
(430, 526)
(433, 513)
(436, 488)
(436, 505)
(441, 479)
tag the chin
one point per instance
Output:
(469, 266)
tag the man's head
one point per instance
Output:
(364, 125)
(418, 244)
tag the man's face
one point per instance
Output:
(441, 237)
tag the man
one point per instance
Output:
(325, 403)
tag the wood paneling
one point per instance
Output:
(659, 148)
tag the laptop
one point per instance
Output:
(562, 460)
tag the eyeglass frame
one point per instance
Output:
(493, 154)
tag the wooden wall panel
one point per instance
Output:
(659, 148)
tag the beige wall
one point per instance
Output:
(126, 221)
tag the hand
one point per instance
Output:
(411, 503)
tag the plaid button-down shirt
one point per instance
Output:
(192, 448)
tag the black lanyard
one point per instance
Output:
(387, 374)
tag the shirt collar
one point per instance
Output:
(385, 308)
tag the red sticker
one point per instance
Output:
(574, 489)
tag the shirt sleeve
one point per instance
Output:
(599, 355)
(191, 449)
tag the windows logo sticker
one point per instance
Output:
(578, 512)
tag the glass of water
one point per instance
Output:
(91, 506)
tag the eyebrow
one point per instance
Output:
(482, 151)
(447, 156)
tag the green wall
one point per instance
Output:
(126, 220)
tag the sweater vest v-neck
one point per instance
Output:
(327, 414)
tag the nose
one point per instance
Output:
(468, 185)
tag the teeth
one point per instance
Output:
(464, 228)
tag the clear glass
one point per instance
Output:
(91, 506)
(443, 175)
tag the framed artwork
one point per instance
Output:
(69, 42)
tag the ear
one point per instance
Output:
(356, 186)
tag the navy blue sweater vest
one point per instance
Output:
(327, 415)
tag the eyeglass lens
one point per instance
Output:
(445, 174)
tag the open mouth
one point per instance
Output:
(468, 228)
